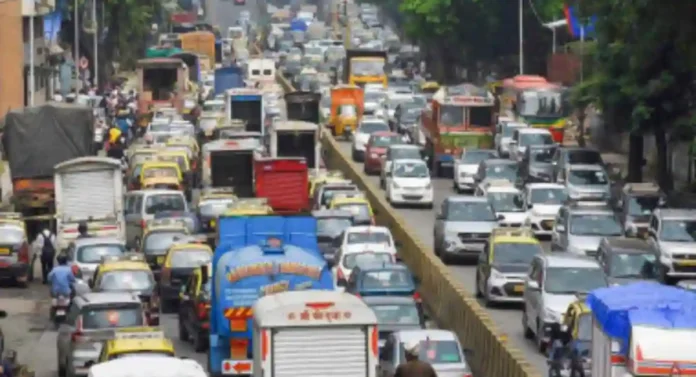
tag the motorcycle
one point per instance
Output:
(59, 309)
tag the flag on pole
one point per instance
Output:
(575, 27)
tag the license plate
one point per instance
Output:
(160, 260)
(60, 312)
(686, 262)
(212, 223)
(519, 288)
(4, 251)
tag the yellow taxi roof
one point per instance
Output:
(124, 266)
(249, 211)
(188, 246)
(160, 164)
(135, 345)
(339, 201)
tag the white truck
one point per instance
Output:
(295, 138)
(89, 189)
(314, 333)
(643, 329)
(263, 70)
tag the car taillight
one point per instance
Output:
(143, 224)
(339, 275)
(166, 274)
(417, 297)
(23, 253)
(202, 309)
(75, 270)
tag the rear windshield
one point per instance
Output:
(401, 314)
(164, 202)
(189, 258)
(356, 237)
(136, 280)
(387, 279)
(437, 352)
(363, 259)
(158, 243)
(358, 210)
(329, 192)
(94, 318)
(94, 253)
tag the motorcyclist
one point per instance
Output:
(82, 230)
(116, 149)
(61, 278)
(414, 367)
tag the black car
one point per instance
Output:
(330, 226)
(536, 164)
(406, 117)
(395, 313)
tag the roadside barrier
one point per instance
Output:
(452, 307)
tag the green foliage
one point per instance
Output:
(130, 22)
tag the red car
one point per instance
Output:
(376, 148)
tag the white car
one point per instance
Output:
(467, 165)
(365, 239)
(542, 202)
(409, 183)
(524, 137)
(506, 201)
(503, 135)
(367, 127)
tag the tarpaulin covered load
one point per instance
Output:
(38, 138)
(617, 309)
(298, 25)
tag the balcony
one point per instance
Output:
(37, 7)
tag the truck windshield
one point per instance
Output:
(541, 103)
(451, 115)
(372, 67)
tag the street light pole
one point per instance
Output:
(32, 52)
(521, 33)
(76, 58)
(95, 25)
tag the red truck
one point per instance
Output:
(284, 182)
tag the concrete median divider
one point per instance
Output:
(452, 306)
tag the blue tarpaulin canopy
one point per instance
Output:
(617, 309)
(298, 25)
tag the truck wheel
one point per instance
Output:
(183, 333)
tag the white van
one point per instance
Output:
(89, 189)
(148, 366)
(261, 70)
(314, 333)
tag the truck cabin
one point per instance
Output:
(261, 70)
(161, 80)
(462, 108)
(296, 139)
(364, 70)
(192, 62)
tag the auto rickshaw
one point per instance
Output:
(347, 103)
(324, 176)
(159, 172)
(190, 143)
(181, 158)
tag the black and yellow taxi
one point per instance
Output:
(194, 308)
(211, 205)
(128, 273)
(180, 261)
(15, 256)
(503, 263)
(158, 236)
(577, 322)
(141, 341)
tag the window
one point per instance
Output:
(255, 72)
(95, 253)
(400, 314)
(267, 72)
(470, 211)
(572, 280)
(587, 177)
(158, 243)
(136, 280)
(368, 237)
(164, 202)
(476, 157)
(189, 258)
(365, 258)
(678, 231)
(112, 316)
(451, 115)
(595, 225)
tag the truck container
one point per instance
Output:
(300, 330)
(230, 77)
(246, 104)
(89, 189)
(303, 106)
(293, 138)
(284, 182)
(200, 42)
(642, 329)
(230, 164)
(257, 256)
(161, 83)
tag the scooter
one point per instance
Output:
(59, 309)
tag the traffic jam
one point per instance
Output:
(222, 216)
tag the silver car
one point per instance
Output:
(87, 253)
(586, 182)
(672, 234)
(580, 226)
(92, 319)
(439, 348)
(462, 227)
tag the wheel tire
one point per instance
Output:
(199, 342)
(381, 184)
(528, 333)
(183, 333)
(478, 290)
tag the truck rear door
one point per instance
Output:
(233, 168)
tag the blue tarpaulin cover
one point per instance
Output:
(616, 309)
(298, 25)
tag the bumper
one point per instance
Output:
(505, 291)
(19, 271)
(422, 197)
(541, 226)
(461, 249)
(465, 183)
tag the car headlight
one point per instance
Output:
(496, 275)
(551, 316)
(394, 185)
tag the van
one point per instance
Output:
(142, 205)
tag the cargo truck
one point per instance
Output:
(35, 139)
(246, 104)
(161, 84)
(365, 67)
(294, 138)
(230, 164)
(283, 182)
(257, 256)
(231, 77)
(89, 189)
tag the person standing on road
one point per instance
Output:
(414, 367)
(46, 243)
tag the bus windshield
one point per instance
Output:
(540, 103)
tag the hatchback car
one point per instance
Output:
(523, 138)
(397, 152)
(409, 183)
(376, 148)
(330, 226)
(385, 279)
(439, 348)
(367, 127)
(85, 254)
(579, 226)
(15, 255)
(627, 260)
(536, 165)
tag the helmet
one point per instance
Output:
(114, 135)
(82, 227)
(412, 347)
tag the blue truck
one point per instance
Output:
(246, 104)
(257, 256)
(229, 77)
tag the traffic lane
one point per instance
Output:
(225, 13)
(507, 318)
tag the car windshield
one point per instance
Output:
(329, 192)
(551, 196)
(515, 253)
(475, 157)
(587, 177)
(584, 157)
(572, 280)
(136, 280)
(365, 259)
(527, 139)
(399, 279)
(112, 316)
(437, 352)
(505, 201)
(358, 210)
(372, 127)
(332, 226)
(189, 258)
(164, 202)
(633, 265)
(585, 327)
(95, 253)
(10, 234)
(405, 153)
(642, 205)
(157, 243)
(214, 208)
(368, 237)
(542, 155)
(678, 231)
(470, 211)
(385, 141)
(401, 314)
(595, 225)
(411, 171)
(502, 171)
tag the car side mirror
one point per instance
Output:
(532, 285)
(500, 217)
(530, 206)
(560, 228)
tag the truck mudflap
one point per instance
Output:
(303, 106)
